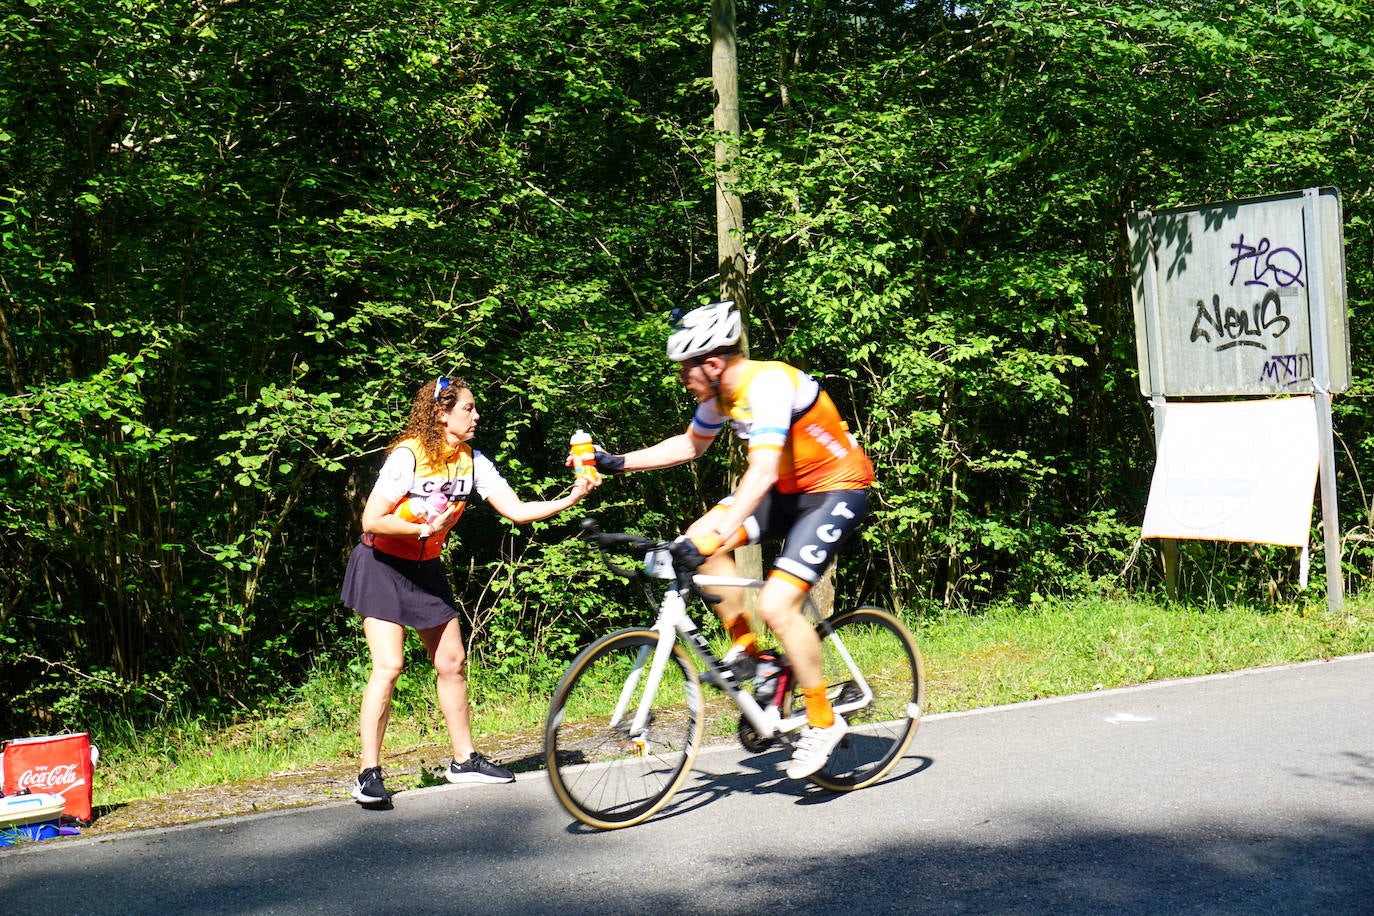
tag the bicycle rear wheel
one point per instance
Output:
(879, 733)
(603, 774)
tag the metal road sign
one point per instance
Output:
(1241, 298)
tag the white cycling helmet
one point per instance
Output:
(704, 330)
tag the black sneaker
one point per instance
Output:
(477, 768)
(740, 664)
(369, 789)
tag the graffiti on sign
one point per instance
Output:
(1231, 298)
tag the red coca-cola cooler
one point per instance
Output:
(55, 764)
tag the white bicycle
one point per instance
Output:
(628, 715)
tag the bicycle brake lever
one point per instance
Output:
(605, 542)
(687, 585)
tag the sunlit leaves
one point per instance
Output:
(235, 238)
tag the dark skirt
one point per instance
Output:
(413, 593)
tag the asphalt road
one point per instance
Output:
(1243, 793)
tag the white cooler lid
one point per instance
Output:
(18, 810)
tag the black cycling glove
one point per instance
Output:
(607, 463)
(686, 554)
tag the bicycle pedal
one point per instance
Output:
(850, 692)
(770, 693)
(736, 671)
(742, 667)
(751, 740)
(712, 679)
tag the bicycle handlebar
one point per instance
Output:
(608, 541)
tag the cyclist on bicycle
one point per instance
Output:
(806, 484)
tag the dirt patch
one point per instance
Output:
(409, 768)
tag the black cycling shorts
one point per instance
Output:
(812, 526)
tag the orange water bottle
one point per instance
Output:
(422, 509)
(414, 509)
(584, 456)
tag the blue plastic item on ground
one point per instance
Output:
(13, 835)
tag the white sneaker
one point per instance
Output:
(814, 747)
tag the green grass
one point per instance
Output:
(1009, 655)
(189, 754)
(997, 656)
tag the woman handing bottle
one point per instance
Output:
(396, 580)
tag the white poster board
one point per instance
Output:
(1236, 471)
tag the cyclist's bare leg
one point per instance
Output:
(780, 605)
(732, 603)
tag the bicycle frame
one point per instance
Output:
(674, 622)
(619, 771)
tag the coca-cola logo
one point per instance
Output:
(42, 778)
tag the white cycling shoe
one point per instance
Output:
(814, 747)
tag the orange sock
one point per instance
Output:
(818, 710)
(742, 636)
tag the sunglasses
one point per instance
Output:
(440, 385)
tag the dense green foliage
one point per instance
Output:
(234, 238)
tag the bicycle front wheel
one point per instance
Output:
(607, 773)
(885, 653)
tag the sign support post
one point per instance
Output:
(1153, 331)
(1321, 389)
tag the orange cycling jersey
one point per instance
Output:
(777, 406)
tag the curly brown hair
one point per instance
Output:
(424, 424)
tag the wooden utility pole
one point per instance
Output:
(729, 210)
(730, 217)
